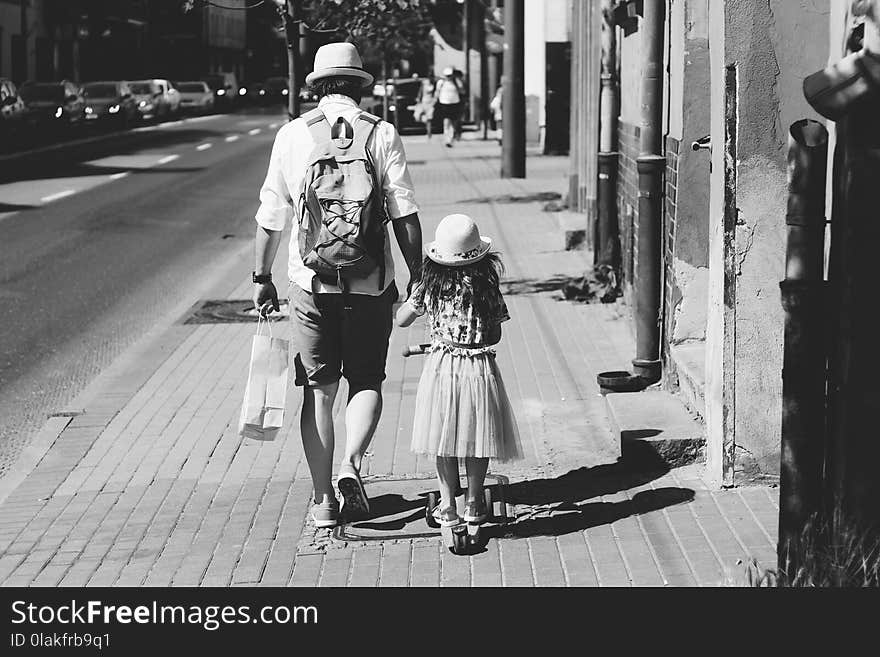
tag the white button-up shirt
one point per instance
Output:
(287, 165)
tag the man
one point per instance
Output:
(336, 334)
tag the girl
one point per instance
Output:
(462, 409)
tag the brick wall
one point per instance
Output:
(671, 293)
(628, 197)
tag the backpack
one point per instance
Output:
(341, 207)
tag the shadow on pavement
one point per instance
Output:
(537, 197)
(69, 161)
(533, 285)
(385, 513)
(544, 507)
(553, 507)
(14, 207)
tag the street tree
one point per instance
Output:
(385, 31)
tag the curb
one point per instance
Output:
(36, 449)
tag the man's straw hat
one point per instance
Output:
(338, 59)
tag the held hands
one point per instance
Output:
(265, 298)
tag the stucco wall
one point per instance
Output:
(689, 121)
(775, 44)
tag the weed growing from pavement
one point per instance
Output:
(836, 553)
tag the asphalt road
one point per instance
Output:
(101, 242)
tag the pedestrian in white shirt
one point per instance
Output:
(448, 94)
(340, 327)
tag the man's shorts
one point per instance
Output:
(330, 341)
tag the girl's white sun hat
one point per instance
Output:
(457, 242)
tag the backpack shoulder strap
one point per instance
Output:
(369, 118)
(318, 125)
(362, 135)
(313, 116)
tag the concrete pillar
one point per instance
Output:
(586, 55)
(757, 64)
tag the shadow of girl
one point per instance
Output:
(553, 507)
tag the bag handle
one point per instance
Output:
(264, 318)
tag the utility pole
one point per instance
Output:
(292, 22)
(24, 37)
(484, 73)
(466, 48)
(513, 141)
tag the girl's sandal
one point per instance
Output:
(447, 517)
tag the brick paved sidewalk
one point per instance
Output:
(152, 487)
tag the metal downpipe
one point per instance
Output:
(607, 242)
(651, 166)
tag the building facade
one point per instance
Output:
(732, 75)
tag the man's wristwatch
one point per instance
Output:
(262, 279)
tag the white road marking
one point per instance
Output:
(167, 159)
(232, 138)
(203, 147)
(58, 195)
(255, 131)
(196, 119)
(272, 126)
(121, 174)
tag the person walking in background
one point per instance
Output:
(495, 106)
(340, 323)
(461, 410)
(425, 104)
(463, 105)
(448, 94)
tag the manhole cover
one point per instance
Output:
(397, 510)
(231, 312)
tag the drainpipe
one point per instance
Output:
(651, 165)
(804, 353)
(607, 250)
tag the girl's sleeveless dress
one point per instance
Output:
(461, 407)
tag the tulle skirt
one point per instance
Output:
(462, 408)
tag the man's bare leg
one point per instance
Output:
(316, 426)
(361, 418)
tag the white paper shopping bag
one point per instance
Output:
(262, 411)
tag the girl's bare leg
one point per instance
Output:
(447, 476)
(476, 476)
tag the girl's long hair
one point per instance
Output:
(479, 282)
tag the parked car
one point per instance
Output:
(170, 93)
(53, 105)
(277, 89)
(402, 96)
(12, 112)
(110, 103)
(150, 102)
(156, 98)
(195, 96)
(225, 88)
